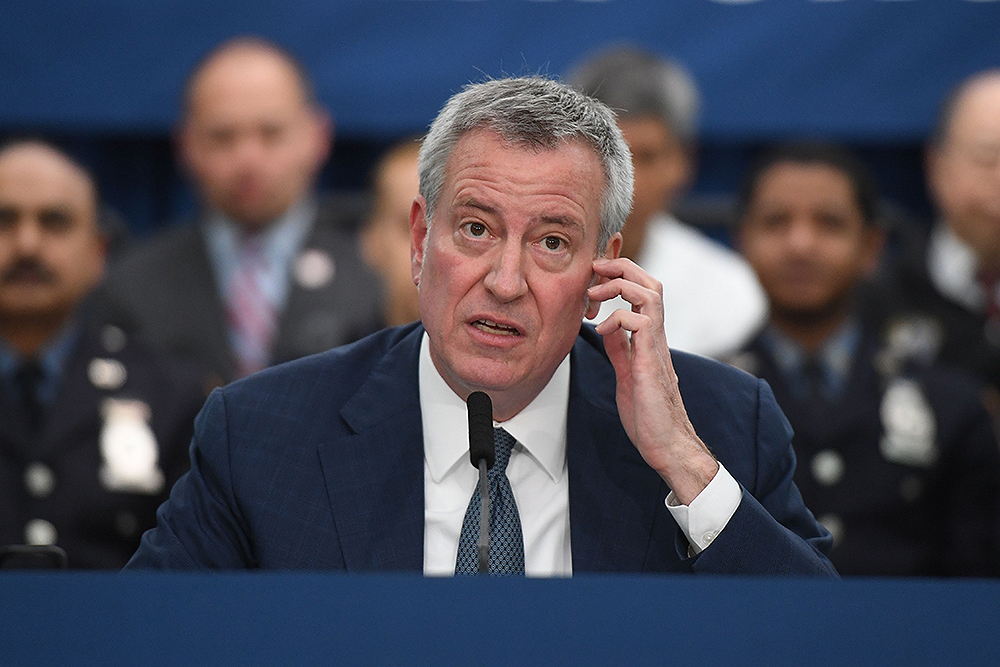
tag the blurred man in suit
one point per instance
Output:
(385, 239)
(93, 428)
(944, 288)
(358, 459)
(711, 298)
(898, 457)
(268, 273)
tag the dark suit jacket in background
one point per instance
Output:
(897, 518)
(98, 527)
(166, 292)
(319, 464)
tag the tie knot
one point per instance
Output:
(504, 442)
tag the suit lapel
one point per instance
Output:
(204, 309)
(615, 499)
(374, 473)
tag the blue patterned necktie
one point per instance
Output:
(506, 540)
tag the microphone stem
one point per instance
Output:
(484, 520)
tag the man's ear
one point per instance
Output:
(418, 236)
(614, 248)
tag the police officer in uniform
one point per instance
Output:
(93, 428)
(896, 456)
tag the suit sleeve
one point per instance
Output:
(772, 531)
(200, 526)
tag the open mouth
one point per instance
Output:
(489, 326)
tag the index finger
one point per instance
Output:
(623, 267)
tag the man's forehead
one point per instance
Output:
(978, 107)
(37, 170)
(245, 72)
(480, 148)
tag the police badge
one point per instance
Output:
(129, 448)
(908, 424)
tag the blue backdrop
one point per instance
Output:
(853, 69)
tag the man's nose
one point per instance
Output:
(506, 279)
(249, 149)
(801, 235)
(28, 238)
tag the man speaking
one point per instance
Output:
(357, 459)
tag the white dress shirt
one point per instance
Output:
(538, 476)
(712, 301)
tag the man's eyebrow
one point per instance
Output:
(471, 202)
(562, 221)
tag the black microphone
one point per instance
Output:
(482, 453)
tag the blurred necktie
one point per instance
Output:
(815, 379)
(252, 318)
(506, 540)
(27, 378)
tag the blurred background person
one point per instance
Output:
(711, 298)
(385, 238)
(944, 289)
(269, 272)
(94, 429)
(896, 457)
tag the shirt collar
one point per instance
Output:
(540, 428)
(52, 357)
(835, 354)
(951, 265)
(279, 241)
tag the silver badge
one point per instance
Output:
(109, 374)
(129, 448)
(314, 268)
(908, 424)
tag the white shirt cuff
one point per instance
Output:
(709, 512)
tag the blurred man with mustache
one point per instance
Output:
(92, 428)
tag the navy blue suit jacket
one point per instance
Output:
(318, 464)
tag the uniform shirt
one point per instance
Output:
(538, 476)
(712, 301)
(834, 357)
(951, 266)
(51, 358)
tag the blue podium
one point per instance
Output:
(396, 620)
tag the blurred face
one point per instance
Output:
(662, 169)
(51, 254)
(504, 268)
(964, 172)
(251, 140)
(806, 238)
(386, 239)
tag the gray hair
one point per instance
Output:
(539, 113)
(638, 83)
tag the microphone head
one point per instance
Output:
(481, 445)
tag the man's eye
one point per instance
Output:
(475, 229)
(553, 243)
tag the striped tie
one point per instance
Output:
(252, 318)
